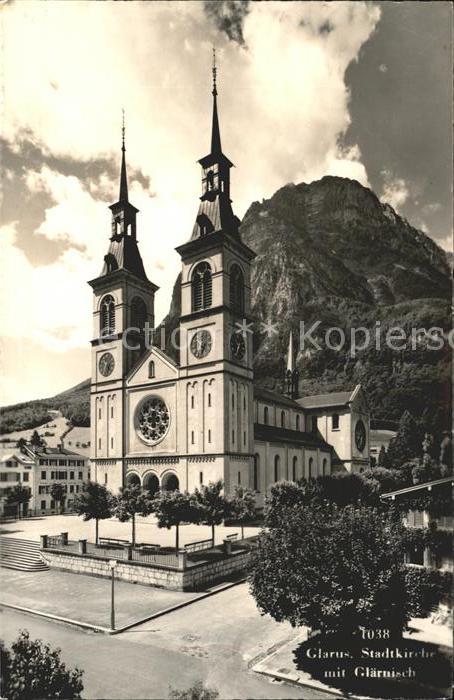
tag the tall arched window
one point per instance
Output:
(294, 465)
(297, 422)
(107, 316)
(282, 419)
(201, 287)
(324, 467)
(138, 313)
(311, 466)
(277, 462)
(236, 289)
(265, 415)
(256, 472)
(151, 370)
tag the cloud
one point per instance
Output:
(228, 16)
(383, 68)
(395, 190)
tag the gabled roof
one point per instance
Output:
(18, 456)
(146, 356)
(336, 398)
(54, 452)
(272, 433)
(419, 487)
(274, 397)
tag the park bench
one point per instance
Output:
(148, 546)
(112, 542)
(197, 546)
(232, 537)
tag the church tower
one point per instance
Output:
(123, 303)
(215, 340)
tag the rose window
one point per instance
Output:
(153, 420)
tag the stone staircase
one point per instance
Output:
(22, 555)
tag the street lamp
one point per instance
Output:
(112, 564)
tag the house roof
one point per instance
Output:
(53, 452)
(18, 456)
(418, 487)
(336, 398)
(272, 433)
(273, 397)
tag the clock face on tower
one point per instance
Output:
(360, 435)
(237, 346)
(201, 344)
(106, 364)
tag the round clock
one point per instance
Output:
(201, 344)
(360, 435)
(237, 346)
(106, 364)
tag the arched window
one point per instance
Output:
(314, 424)
(294, 465)
(151, 370)
(335, 421)
(282, 419)
(201, 287)
(256, 472)
(277, 461)
(311, 466)
(265, 415)
(138, 313)
(107, 316)
(297, 422)
(210, 180)
(324, 467)
(236, 289)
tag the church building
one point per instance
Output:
(167, 425)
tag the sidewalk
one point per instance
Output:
(84, 598)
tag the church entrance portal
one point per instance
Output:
(170, 482)
(151, 483)
(132, 480)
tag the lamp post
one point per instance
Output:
(112, 564)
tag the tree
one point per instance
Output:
(18, 496)
(446, 453)
(57, 491)
(33, 671)
(35, 439)
(211, 504)
(332, 569)
(132, 500)
(406, 444)
(172, 508)
(198, 691)
(382, 458)
(242, 506)
(21, 443)
(94, 503)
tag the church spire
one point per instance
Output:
(290, 356)
(123, 197)
(215, 132)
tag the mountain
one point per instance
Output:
(331, 253)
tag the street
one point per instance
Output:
(214, 639)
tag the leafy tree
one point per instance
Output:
(406, 444)
(332, 569)
(36, 440)
(18, 496)
(242, 506)
(198, 691)
(284, 493)
(21, 443)
(383, 458)
(132, 501)
(57, 491)
(446, 453)
(172, 508)
(33, 671)
(94, 503)
(211, 504)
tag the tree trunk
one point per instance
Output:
(177, 537)
(96, 530)
(18, 511)
(134, 530)
(212, 533)
(242, 532)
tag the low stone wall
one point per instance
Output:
(191, 578)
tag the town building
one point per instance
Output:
(37, 469)
(166, 425)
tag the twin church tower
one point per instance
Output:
(154, 422)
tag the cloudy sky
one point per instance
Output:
(306, 89)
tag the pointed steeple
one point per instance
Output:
(123, 196)
(216, 148)
(290, 355)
